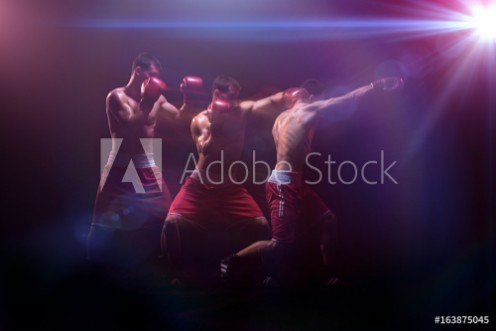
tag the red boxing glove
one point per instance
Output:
(388, 84)
(291, 95)
(218, 107)
(151, 89)
(191, 84)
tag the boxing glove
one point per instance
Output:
(291, 95)
(218, 107)
(388, 84)
(191, 84)
(151, 89)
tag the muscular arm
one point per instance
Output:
(167, 110)
(166, 113)
(270, 106)
(335, 109)
(119, 111)
(201, 133)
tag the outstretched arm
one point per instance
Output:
(334, 109)
(269, 106)
(331, 104)
(167, 111)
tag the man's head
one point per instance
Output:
(146, 65)
(226, 88)
(314, 88)
(294, 95)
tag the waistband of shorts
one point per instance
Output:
(286, 177)
(140, 161)
(211, 181)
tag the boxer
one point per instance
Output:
(296, 209)
(125, 230)
(213, 214)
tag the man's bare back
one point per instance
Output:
(293, 133)
(294, 129)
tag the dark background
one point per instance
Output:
(421, 248)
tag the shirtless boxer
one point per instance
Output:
(296, 210)
(125, 231)
(213, 214)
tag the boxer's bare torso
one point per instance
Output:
(220, 141)
(130, 122)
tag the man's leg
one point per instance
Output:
(242, 233)
(261, 260)
(273, 257)
(171, 246)
(329, 242)
(188, 247)
(170, 241)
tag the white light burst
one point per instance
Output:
(484, 22)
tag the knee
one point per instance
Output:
(170, 237)
(171, 226)
(279, 248)
(263, 228)
(329, 222)
(167, 229)
(261, 222)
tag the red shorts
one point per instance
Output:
(198, 202)
(119, 205)
(292, 206)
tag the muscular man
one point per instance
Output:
(296, 210)
(213, 214)
(132, 198)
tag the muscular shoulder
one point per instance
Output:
(198, 123)
(116, 93)
(200, 119)
(116, 97)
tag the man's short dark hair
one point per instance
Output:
(223, 83)
(146, 60)
(313, 86)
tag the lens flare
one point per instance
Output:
(484, 22)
